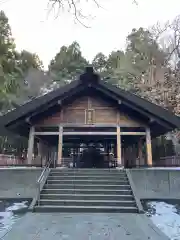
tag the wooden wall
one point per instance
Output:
(88, 110)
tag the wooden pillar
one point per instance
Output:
(60, 143)
(123, 156)
(30, 146)
(140, 154)
(39, 158)
(148, 147)
(134, 156)
(119, 160)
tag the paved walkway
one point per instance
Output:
(62, 226)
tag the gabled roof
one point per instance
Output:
(37, 103)
(159, 119)
(145, 105)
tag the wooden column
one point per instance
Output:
(60, 142)
(149, 147)
(30, 146)
(140, 153)
(123, 156)
(119, 160)
(39, 158)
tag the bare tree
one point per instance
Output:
(168, 36)
(73, 7)
(174, 45)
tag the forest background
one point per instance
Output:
(149, 67)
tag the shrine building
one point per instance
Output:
(90, 123)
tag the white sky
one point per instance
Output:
(36, 31)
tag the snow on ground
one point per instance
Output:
(166, 218)
(17, 206)
(8, 218)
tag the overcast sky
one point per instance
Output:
(36, 31)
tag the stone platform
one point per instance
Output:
(93, 226)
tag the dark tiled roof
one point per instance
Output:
(133, 100)
(37, 103)
(144, 104)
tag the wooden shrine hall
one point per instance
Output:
(90, 123)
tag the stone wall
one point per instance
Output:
(156, 183)
(149, 183)
(18, 183)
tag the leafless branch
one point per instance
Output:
(157, 30)
(169, 33)
(71, 6)
(97, 4)
(77, 13)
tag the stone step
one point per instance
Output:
(86, 170)
(84, 177)
(85, 209)
(86, 191)
(69, 202)
(87, 174)
(88, 182)
(83, 186)
(75, 196)
(81, 170)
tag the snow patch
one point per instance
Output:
(8, 218)
(17, 206)
(166, 218)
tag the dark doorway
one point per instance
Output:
(89, 151)
(91, 158)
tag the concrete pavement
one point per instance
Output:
(94, 226)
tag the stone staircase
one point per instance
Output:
(86, 190)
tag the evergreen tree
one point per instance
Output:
(67, 64)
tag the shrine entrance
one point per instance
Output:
(89, 149)
(91, 157)
(93, 146)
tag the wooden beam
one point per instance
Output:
(90, 125)
(89, 103)
(89, 133)
(119, 157)
(30, 146)
(96, 108)
(118, 117)
(60, 143)
(133, 133)
(46, 133)
(148, 147)
(62, 115)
